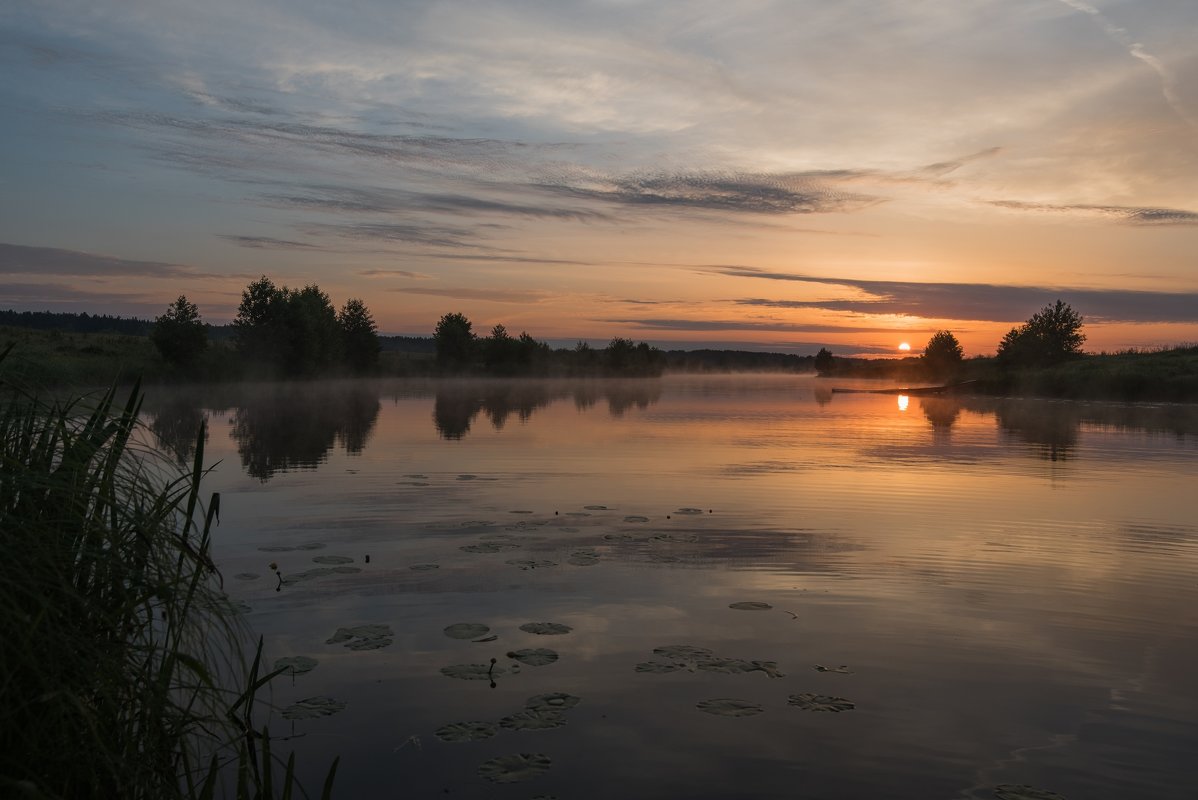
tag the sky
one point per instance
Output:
(762, 175)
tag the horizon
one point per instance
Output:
(777, 178)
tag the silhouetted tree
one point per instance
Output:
(179, 334)
(1051, 336)
(295, 331)
(454, 340)
(824, 361)
(258, 328)
(499, 350)
(943, 352)
(359, 334)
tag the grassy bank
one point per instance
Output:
(122, 669)
(1135, 376)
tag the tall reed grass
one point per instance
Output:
(122, 671)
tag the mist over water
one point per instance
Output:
(1003, 590)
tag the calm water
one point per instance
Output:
(1012, 587)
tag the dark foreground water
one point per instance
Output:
(997, 594)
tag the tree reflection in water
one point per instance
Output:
(176, 425)
(456, 405)
(288, 426)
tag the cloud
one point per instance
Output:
(760, 193)
(742, 325)
(385, 273)
(408, 233)
(268, 242)
(380, 201)
(979, 301)
(19, 259)
(492, 295)
(1129, 215)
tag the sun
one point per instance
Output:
(904, 347)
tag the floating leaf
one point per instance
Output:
(584, 558)
(770, 668)
(685, 652)
(467, 630)
(596, 508)
(333, 560)
(1020, 791)
(533, 720)
(363, 637)
(554, 701)
(514, 768)
(247, 576)
(520, 511)
(489, 547)
(417, 476)
(751, 605)
(310, 546)
(677, 538)
(465, 731)
(490, 638)
(296, 665)
(727, 666)
(577, 514)
(546, 628)
(689, 511)
(658, 667)
(843, 669)
(313, 707)
(424, 567)
(636, 518)
(663, 558)
(467, 477)
(729, 707)
(527, 564)
(620, 537)
(473, 672)
(534, 656)
(820, 702)
(276, 548)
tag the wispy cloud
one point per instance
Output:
(981, 302)
(18, 259)
(492, 295)
(1130, 215)
(743, 325)
(268, 242)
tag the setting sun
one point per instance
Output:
(904, 347)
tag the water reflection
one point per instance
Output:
(287, 426)
(176, 426)
(456, 405)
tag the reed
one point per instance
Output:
(117, 647)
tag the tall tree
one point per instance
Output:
(943, 352)
(259, 329)
(824, 361)
(179, 334)
(359, 336)
(1052, 335)
(454, 340)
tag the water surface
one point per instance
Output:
(1005, 591)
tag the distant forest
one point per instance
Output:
(702, 360)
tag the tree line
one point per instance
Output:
(1051, 336)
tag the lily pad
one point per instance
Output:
(554, 701)
(728, 666)
(843, 669)
(515, 768)
(308, 574)
(533, 720)
(729, 707)
(676, 538)
(751, 605)
(527, 564)
(636, 518)
(520, 511)
(473, 672)
(685, 652)
(310, 546)
(690, 512)
(467, 630)
(465, 731)
(546, 628)
(276, 548)
(467, 477)
(247, 576)
(489, 547)
(620, 537)
(424, 567)
(577, 514)
(312, 707)
(663, 558)
(1020, 791)
(534, 656)
(333, 560)
(296, 665)
(820, 702)
(583, 558)
(770, 668)
(596, 508)
(363, 637)
(658, 667)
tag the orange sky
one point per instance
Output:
(782, 176)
